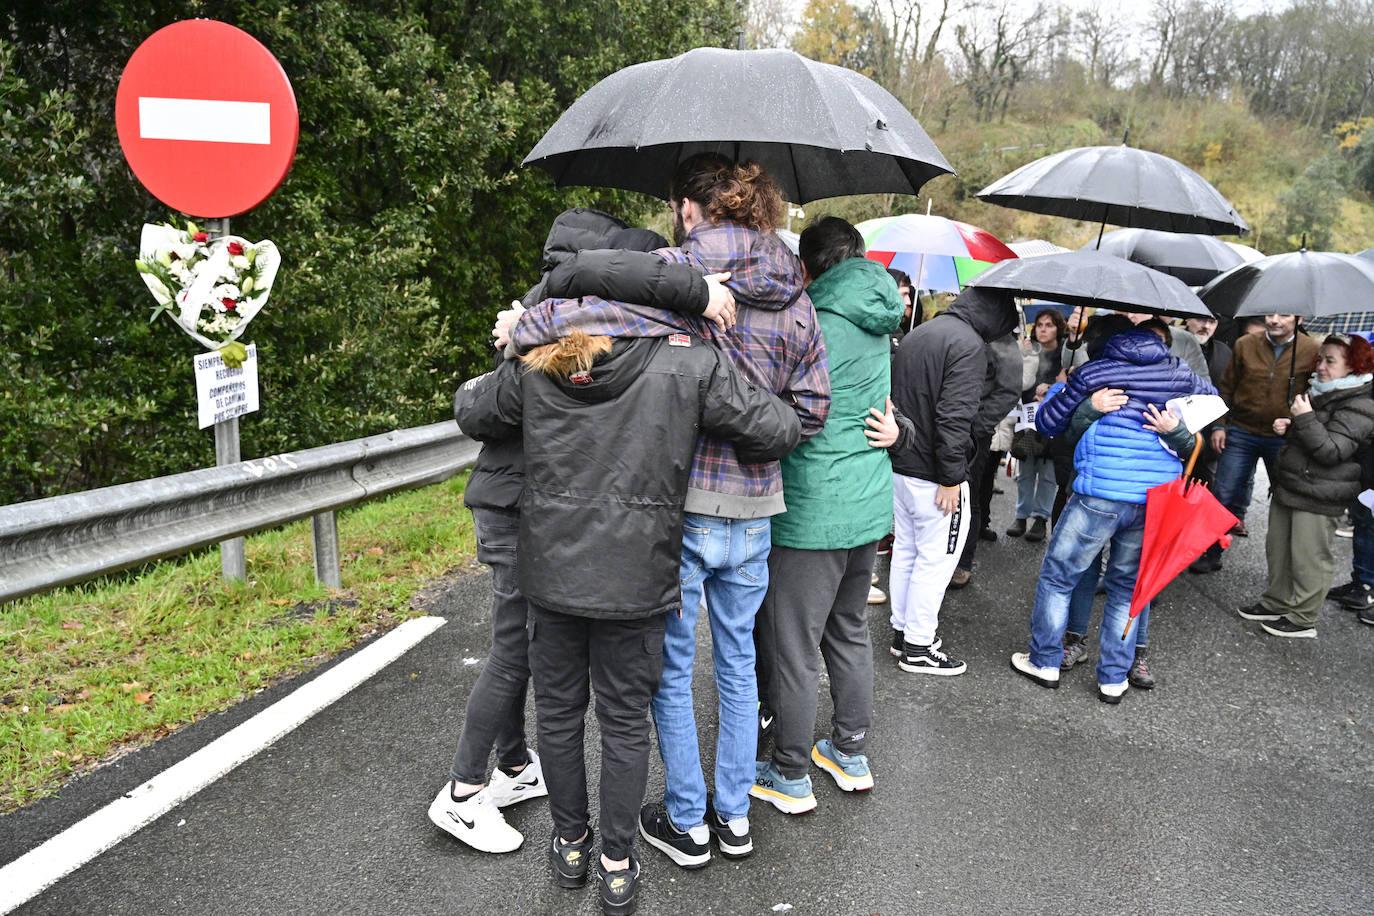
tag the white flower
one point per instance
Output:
(226, 291)
(182, 273)
(185, 251)
(239, 261)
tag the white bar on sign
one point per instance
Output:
(209, 120)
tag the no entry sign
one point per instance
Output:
(206, 118)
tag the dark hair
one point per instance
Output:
(739, 192)
(1102, 328)
(1359, 355)
(902, 278)
(1159, 327)
(824, 244)
(1061, 327)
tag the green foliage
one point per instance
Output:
(1312, 205)
(406, 218)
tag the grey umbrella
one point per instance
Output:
(1121, 185)
(1309, 284)
(819, 130)
(1093, 279)
(1194, 259)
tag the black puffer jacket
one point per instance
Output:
(498, 475)
(608, 453)
(938, 378)
(1319, 470)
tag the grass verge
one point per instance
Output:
(90, 671)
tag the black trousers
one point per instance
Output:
(621, 660)
(496, 707)
(980, 484)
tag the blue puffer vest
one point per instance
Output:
(1117, 458)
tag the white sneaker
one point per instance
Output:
(1112, 693)
(511, 790)
(876, 595)
(476, 821)
(1045, 677)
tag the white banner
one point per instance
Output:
(223, 393)
(1025, 416)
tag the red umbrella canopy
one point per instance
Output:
(982, 244)
(1182, 519)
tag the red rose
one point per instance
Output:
(229, 304)
(235, 249)
(201, 236)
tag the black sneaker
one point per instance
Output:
(1282, 626)
(1139, 676)
(1367, 617)
(732, 836)
(1257, 612)
(987, 534)
(688, 848)
(929, 660)
(1036, 531)
(1358, 599)
(898, 642)
(619, 889)
(1341, 592)
(1017, 528)
(570, 860)
(1209, 562)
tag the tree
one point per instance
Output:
(838, 32)
(997, 50)
(769, 24)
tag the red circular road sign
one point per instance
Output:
(206, 118)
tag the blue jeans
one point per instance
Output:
(1362, 544)
(1081, 606)
(1035, 488)
(1235, 478)
(727, 559)
(1088, 526)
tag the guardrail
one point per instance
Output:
(65, 539)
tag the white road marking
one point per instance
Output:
(42, 866)
(209, 120)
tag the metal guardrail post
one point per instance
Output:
(325, 530)
(231, 556)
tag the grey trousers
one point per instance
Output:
(1298, 550)
(816, 599)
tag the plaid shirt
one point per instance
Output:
(776, 343)
(1345, 323)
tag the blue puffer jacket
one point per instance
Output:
(1117, 458)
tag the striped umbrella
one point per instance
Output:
(937, 253)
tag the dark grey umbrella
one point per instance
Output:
(1121, 185)
(819, 130)
(1093, 279)
(1194, 259)
(1309, 284)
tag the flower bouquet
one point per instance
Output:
(212, 290)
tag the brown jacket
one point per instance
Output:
(1255, 385)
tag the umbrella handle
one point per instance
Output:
(1130, 622)
(1192, 461)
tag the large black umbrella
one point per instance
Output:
(1194, 259)
(1309, 284)
(819, 130)
(1121, 185)
(1090, 278)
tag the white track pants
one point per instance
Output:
(925, 551)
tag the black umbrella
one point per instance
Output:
(819, 130)
(1309, 284)
(1120, 185)
(1090, 278)
(1194, 259)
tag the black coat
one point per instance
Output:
(938, 378)
(498, 475)
(607, 462)
(1319, 469)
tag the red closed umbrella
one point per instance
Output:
(1182, 519)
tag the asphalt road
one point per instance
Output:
(1243, 784)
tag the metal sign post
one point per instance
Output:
(231, 555)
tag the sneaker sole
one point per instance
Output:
(1301, 634)
(1108, 698)
(1260, 617)
(539, 791)
(872, 603)
(438, 819)
(895, 653)
(684, 859)
(740, 851)
(926, 669)
(842, 779)
(784, 803)
(624, 908)
(1035, 678)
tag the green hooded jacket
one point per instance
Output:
(837, 487)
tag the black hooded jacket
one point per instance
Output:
(498, 475)
(938, 378)
(608, 454)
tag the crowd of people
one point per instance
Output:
(719, 427)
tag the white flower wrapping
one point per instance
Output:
(197, 307)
